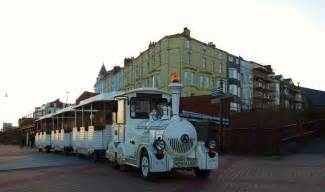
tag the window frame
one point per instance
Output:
(143, 98)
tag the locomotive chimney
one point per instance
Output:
(175, 87)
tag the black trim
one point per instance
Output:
(234, 82)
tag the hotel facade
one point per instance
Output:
(202, 67)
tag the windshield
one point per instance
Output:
(141, 107)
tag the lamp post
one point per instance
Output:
(66, 102)
(220, 97)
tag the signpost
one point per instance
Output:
(220, 96)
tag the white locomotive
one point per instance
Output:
(138, 128)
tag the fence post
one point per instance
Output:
(317, 126)
(300, 128)
(279, 142)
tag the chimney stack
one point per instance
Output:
(186, 32)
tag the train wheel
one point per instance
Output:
(114, 162)
(124, 168)
(95, 157)
(145, 166)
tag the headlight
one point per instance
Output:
(211, 144)
(159, 144)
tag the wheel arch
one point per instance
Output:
(140, 151)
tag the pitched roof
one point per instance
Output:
(102, 71)
(85, 95)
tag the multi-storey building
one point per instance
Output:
(290, 94)
(201, 66)
(263, 90)
(48, 108)
(6, 126)
(234, 80)
(277, 92)
(246, 85)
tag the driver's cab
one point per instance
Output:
(134, 109)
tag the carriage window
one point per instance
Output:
(141, 107)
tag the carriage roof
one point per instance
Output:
(104, 97)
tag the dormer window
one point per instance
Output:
(237, 61)
(231, 59)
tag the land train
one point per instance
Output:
(140, 128)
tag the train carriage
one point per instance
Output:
(94, 123)
(62, 123)
(43, 135)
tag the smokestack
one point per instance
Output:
(175, 88)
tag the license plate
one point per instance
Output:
(185, 162)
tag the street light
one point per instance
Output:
(67, 97)
(220, 97)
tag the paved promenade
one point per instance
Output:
(28, 170)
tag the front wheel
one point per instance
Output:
(203, 174)
(94, 157)
(145, 166)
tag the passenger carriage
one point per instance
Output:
(93, 127)
(43, 136)
(62, 124)
(54, 131)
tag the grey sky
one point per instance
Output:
(50, 47)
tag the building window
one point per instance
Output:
(204, 49)
(221, 84)
(207, 83)
(232, 73)
(204, 82)
(201, 81)
(188, 59)
(193, 78)
(188, 44)
(237, 61)
(233, 89)
(204, 63)
(156, 81)
(231, 59)
(186, 78)
(220, 68)
(234, 106)
(221, 55)
(160, 61)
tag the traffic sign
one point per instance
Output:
(217, 92)
(215, 101)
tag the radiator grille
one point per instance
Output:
(179, 147)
